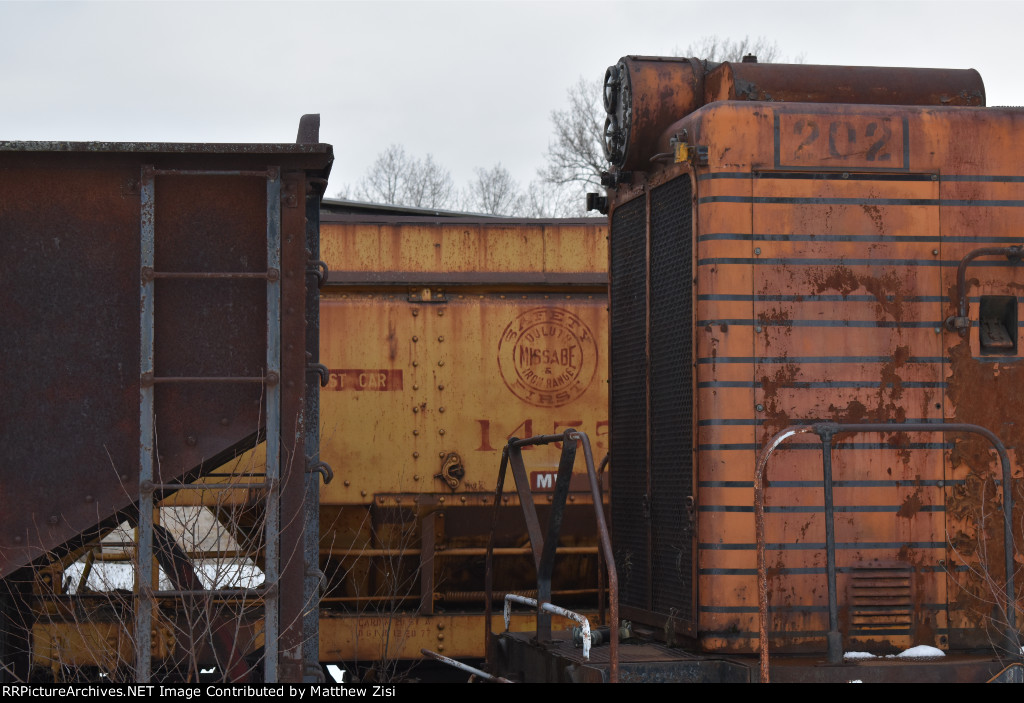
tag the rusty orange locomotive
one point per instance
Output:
(814, 351)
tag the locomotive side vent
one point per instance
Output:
(628, 401)
(880, 598)
(671, 382)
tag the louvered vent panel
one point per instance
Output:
(881, 600)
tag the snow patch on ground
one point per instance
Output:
(921, 651)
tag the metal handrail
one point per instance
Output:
(464, 667)
(544, 547)
(511, 598)
(961, 322)
(826, 431)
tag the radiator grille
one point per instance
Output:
(671, 379)
(628, 401)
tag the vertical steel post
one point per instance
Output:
(547, 560)
(273, 426)
(428, 538)
(605, 546)
(834, 638)
(311, 503)
(144, 553)
(489, 559)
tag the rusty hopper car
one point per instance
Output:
(805, 257)
(442, 337)
(155, 323)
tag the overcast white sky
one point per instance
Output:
(472, 83)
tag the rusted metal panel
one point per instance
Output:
(368, 637)
(848, 336)
(863, 85)
(464, 250)
(441, 354)
(842, 328)
(71, 378)
(883, 588)
(978, 196)
(827, 246)
(208, 327)
(494, 280)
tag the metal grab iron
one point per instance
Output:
(585, 640)
(960, 322)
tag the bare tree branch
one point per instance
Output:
(715, 48)
(494, 192)
(399, 179)
(428, 185)
(383, 182)
(576, 155)
(545, 200)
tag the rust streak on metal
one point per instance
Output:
(911, 506)
(887, 289)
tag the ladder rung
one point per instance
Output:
(221, 593)
(213, 274)
(266, 173)
(147, 486)
(234, 475)
(209, 379)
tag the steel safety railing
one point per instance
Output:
(511, 598)
(464, 667)
(543, 545)
(826, 431)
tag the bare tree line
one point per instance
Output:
(572, 164)
(399, 178)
